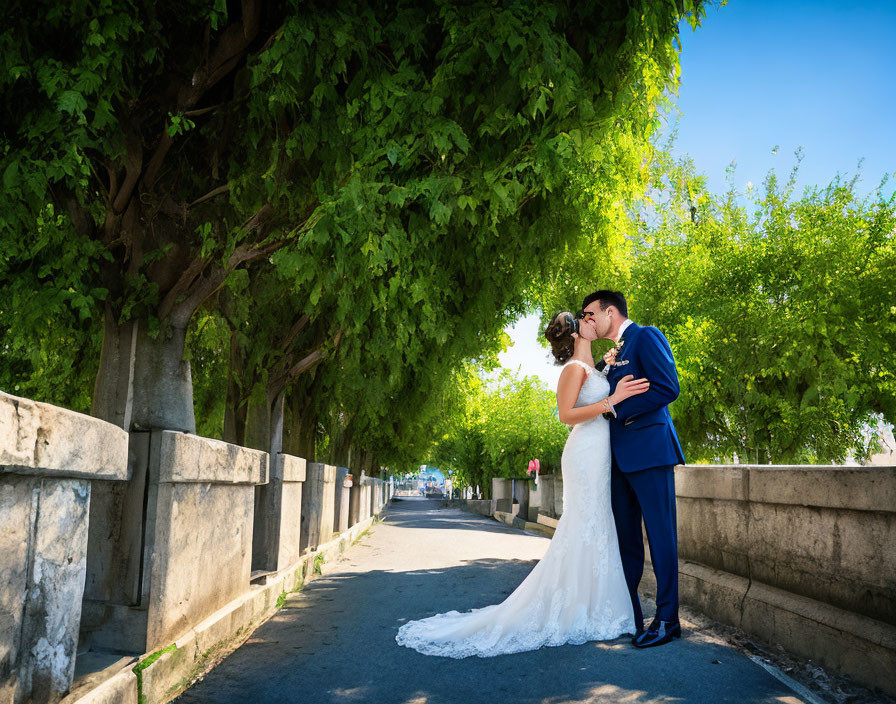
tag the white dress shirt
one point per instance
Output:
(625, 324)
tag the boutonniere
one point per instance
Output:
(617, 347)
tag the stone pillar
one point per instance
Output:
(49, 459)
(558, 495)
(343, 499)
(374, 497)
(502, 498)
(541, 498)
(318, 499)
(365, 498)
(276, 535)
(197, 529)
(520, 498)
(354, 503)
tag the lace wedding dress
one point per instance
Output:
(577, 591)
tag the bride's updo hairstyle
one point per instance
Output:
(559, 334)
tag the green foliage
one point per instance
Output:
(498, 427)
(49, 325)
(399, 174)
(779, 309)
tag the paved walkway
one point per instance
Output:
(335, 640)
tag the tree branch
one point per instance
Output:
(211, 194)
(230, 50)
(181, 286)
(133, 163)
(291, 335)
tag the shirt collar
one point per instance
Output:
(625, 324)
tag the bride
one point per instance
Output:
(577, 591)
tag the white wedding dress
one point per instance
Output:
(577, 591)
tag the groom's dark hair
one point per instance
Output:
(607, 298)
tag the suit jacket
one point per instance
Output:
(642, 434)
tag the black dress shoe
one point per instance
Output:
(659, 633)
(638, 632)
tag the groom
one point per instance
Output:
(645, 451)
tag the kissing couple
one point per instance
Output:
(618, 470)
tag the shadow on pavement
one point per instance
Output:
(336, 643)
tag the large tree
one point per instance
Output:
(401, 167)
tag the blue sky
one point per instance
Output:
(819, 75)
(792, 73)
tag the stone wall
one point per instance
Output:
(318, 505)
(278, 515)
(801, 556)
(202, 519)
(49, 458)
(113, 545)
(826, 533)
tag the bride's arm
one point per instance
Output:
(571, 380)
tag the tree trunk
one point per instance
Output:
(300, 427)
(113, 390)
(234, 409)
(144, 383)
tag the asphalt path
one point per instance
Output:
(335, 640)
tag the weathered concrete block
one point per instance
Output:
(558, 495)
(120, 689)
(47, 457)
(203, 517)
(501, 488)
(191, 458)
(43, 541)
(342, 501)
(354, 503)
(318, 502)
(278, 515)
(40, 439)
(541, 497)
(839, 539)
(521, 497)
(711, 482)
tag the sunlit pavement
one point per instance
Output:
(335, 641)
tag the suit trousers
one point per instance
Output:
(648, 493)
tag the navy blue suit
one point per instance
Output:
(645, 450)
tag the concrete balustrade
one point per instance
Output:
(541, 498)
(50, 458)
(827, 533)
(359, 501)
(200, 498)
(278, 515)
(502, 495)
(804, 556)
(342, 500)
(318, 505)
(114, 545)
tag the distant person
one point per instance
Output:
(580, 590)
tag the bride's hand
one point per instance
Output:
(627, 387)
